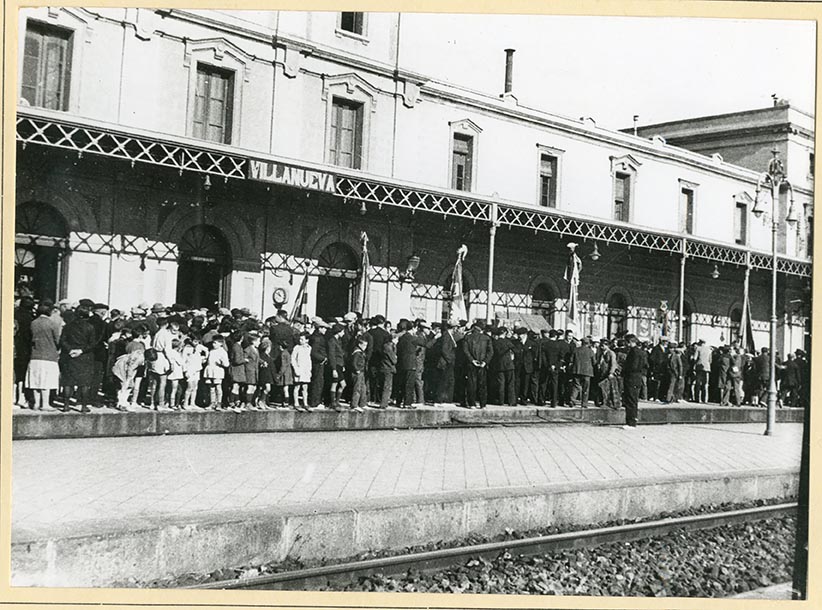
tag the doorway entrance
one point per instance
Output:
(205, 263)
(339, 268)
(39, 264)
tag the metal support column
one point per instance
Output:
(489, 306)
(769, 427)
(681, 311)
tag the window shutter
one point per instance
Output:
(200, 105)
(31, 59)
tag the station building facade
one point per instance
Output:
(212, 158)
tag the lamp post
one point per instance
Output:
(773, 179)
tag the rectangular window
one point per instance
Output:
(622, 196)
(686, 211)
(548, 181)
(46, 66)
(741, 223)
(352, 22)
(213, 104)
(461, 163)
(345, 147)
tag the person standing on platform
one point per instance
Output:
(675, 374)
(607, 368)
(478, 353)
(446, 357)
(762, 364)
(357, 364)
(527, 353)
(387, 369)
(550, 362)
(302, 362)
(406, 364)
(43, 373)
(336, 364)
(636, 365)
(791, 381)
(319, 361)
(379, 337)
(658, 371)
(582, 368)
(702, 370)
(425, 342)
(502, 368)
(77, 358)
(567, 346)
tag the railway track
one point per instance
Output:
(343, 573)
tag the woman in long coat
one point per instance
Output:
(77, 358)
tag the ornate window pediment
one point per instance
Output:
(351, 86)
(743, 197)
(220, 52)
(466, 126)
(625, 163)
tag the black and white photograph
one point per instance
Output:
(396, 302)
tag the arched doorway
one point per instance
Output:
(543, 302)
(39, 254)
(338, 266)
(617, 315)
(204, 265)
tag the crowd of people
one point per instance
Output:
(77, 356)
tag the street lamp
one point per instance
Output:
(774, 179)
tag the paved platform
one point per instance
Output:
(27, 424)
(107, 511)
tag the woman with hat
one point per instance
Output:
(43, 374)
(77, 358)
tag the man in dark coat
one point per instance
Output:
(582, 368)
(379, 337)
(658, 371)
(676, 374)
(607, 367)
(762, 364)
(550, 361)
(446, 347)
(77, 358)
(526, 350)
(791, 381)
(407, 363)
(502, 367)
(636, 365)
(478, 353)
(319, 360)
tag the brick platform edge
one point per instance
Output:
(29, 426)
(130, 552)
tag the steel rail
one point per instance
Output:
(443, 558)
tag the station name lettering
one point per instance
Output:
(293, 176)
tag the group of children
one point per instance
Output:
(182, 371)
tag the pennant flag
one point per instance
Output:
(364, 287)
(302, 296)
(572, 277)
(458, 310)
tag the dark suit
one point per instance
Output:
(550, 356)
(583, 364)
(407, 366)
(527, 361)
(502, 366)
(446, 347)
(477, 348)
(319, 359)
(636, 365)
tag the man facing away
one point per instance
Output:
(478, 353)
(636, 364)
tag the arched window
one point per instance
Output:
(617, 315)
(39, 264)
(543, 302)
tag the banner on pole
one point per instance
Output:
(458, 310)
(572, 277)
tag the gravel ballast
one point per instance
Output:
(719, 562)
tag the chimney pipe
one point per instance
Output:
(509, 70)
(636, 120)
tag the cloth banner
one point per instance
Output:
(364, 287)
(458, 311)
(572, 277)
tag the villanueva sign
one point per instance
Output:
(280, 173)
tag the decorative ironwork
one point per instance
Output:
(39, 127)
(86, 139)
(413, 199)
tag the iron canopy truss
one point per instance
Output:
(35, 126)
